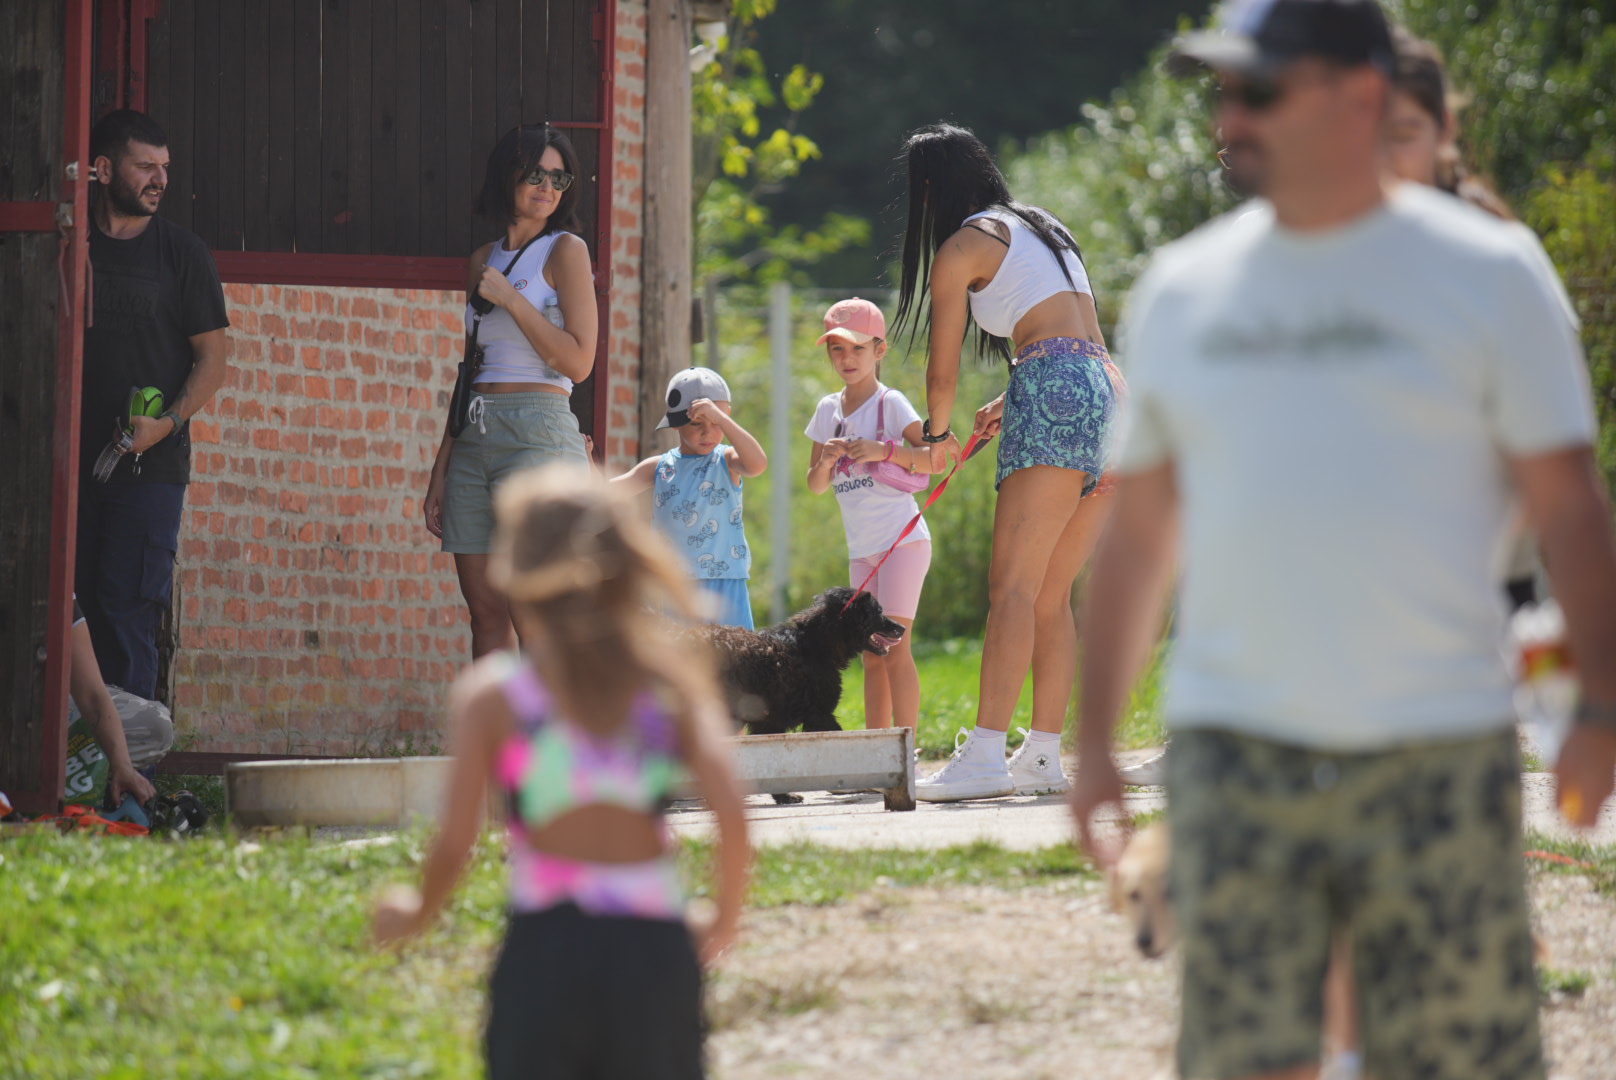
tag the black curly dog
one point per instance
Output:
(790, 675)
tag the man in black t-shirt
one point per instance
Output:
(159, 320)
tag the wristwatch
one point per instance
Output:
(171, 414)
(927, 436)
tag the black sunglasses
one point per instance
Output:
(559, 179)
(1254, 95)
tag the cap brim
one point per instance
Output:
(1194, 53)
(843, 332)
(674, 419)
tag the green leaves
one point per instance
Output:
(737, 162)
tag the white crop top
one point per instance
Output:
(1028, 276)
(508, 356)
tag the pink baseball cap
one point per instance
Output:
(856, 320)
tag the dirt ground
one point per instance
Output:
(988, 983)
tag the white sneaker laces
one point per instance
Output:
(962, 738)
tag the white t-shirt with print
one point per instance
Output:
(1338, 407)
(873, 514)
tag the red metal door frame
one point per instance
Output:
(70, 218)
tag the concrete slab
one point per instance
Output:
(856, 821)
(395, 791)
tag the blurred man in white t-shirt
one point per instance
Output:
(1338, 402)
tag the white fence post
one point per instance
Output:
(779, 448)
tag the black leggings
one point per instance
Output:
(594, 998)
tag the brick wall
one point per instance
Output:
(315, 612)
(628, 164)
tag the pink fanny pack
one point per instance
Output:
(889, 472)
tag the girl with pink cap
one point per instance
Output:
(867, 448)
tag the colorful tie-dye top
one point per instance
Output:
(551, 766)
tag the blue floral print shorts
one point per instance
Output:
(1061, 409)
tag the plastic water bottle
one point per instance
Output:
(552, 311)
(1546, 695)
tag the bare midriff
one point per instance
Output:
(517, 388)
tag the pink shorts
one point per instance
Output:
(898, 584)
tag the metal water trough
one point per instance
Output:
(393, 791)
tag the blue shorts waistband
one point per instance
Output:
(1061, 346)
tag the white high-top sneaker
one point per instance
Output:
(974, 772)
(1037, 771)
(1152, 772)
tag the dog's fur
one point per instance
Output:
(790, 675)
(1139, 890)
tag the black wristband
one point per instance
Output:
(926, 435)
(170, 414)
(1600, 716)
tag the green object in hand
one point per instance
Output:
(144, 401)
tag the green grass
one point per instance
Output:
(133, 958)
(127, 959)
(1596, 862)
(815, 875)
(1564, 984)
(949, 672)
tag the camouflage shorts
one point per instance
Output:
(1414, 852)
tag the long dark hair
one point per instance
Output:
(952, 176)
(1421, 74)
(515, 155)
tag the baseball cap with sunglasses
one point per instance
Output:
(1253, 39)
(559, 179)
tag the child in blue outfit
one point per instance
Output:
(696, 486)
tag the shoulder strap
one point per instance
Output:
(881, 413)
(522, 251)
(477, 316)
(990, 232)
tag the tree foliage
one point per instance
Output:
(1539, 77)
(1139, 171)
(1576, 214)
(736, 161)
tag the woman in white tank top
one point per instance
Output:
(537, 333)
(1015, 270)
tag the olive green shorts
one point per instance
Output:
(508, 433)
(1414, 852)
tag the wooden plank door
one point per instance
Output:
(45, 75)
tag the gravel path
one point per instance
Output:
(986, 983)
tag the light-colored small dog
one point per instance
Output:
(1139, 890)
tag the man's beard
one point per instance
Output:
(125, 199)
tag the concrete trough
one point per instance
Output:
(354, 791)
(395, 791)
(883, 760)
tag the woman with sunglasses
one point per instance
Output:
(530, 295)
(1016, 271)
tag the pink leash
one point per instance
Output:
(965, 455)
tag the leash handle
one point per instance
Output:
(971, 448)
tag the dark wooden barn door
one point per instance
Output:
(341, 142)
(44, 81)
